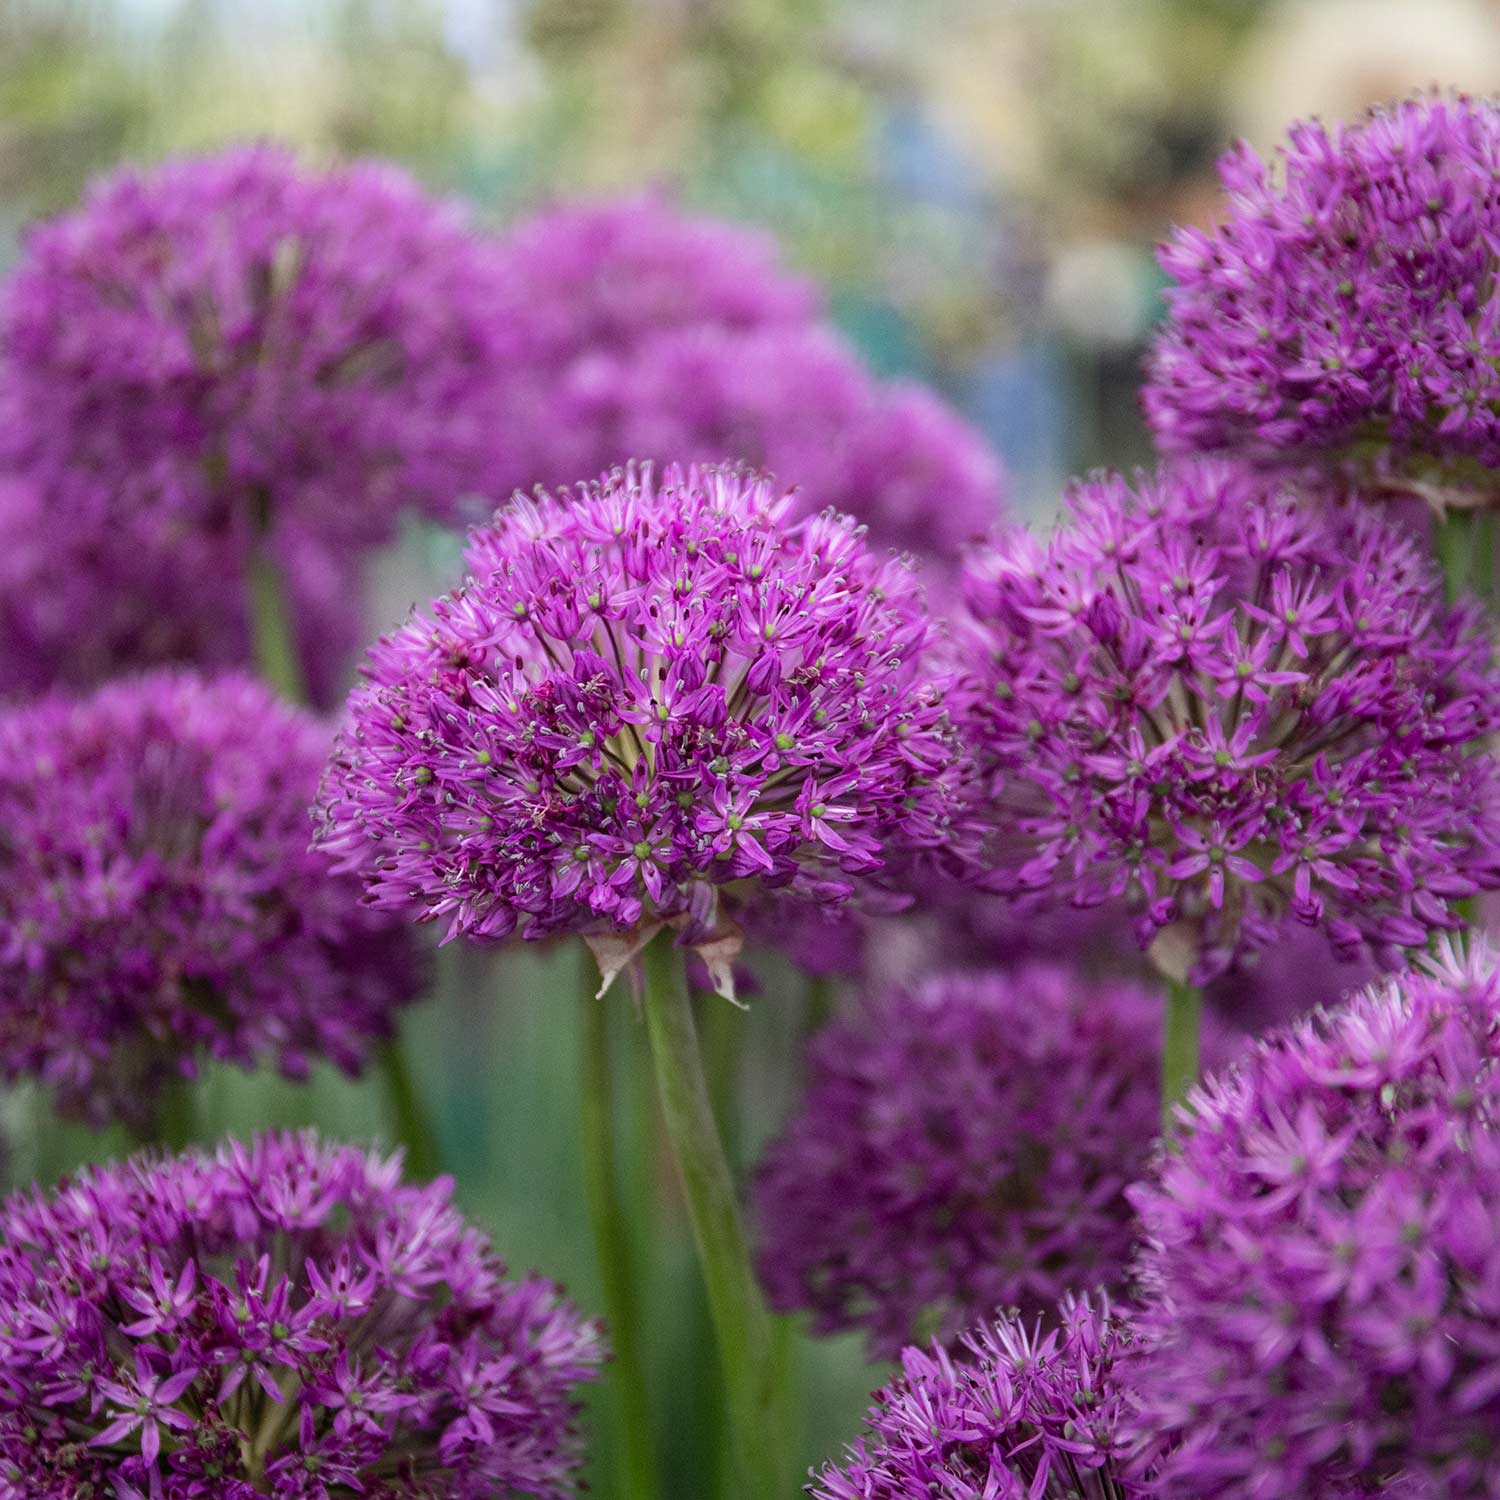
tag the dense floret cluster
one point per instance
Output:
(1321, 1281)
(963, 1146)
(1229, 709)
(158, 901)
(1016, 1415)
(647, 692)
(1345, 312)
(278, 1321)
(235, 355)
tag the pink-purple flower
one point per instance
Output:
(963, 1145)
(1231, 710)
(159, 905)
(1320, 1285)
(650, 693)
(283, 1320)
(1016, 1414)
(1344, 311)
(228, 355)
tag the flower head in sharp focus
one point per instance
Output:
(962, 1146)
(1345, 309)
(158, 902)
(648, 691)
(1321, 1282)
(279, 1321)
(229, 354)
(1016, 1414)
(1232, 710)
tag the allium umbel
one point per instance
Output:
(1345, 311)
(1230, 709)
(1015, 1415)
(278, 1321)
(158, 902)
(648, 692)
(963, 1146)
(1321, 1279)
(234, 353)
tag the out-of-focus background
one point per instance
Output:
(978, 184)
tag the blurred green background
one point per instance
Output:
(977, 183)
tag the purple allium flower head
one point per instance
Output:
(1321, 1277)
(1345, 310)
(651, 334)
(158, 901)
(648, 690)
(231, 353)
(798, 401)
(279, 1321)
(1018, 1414)
(1228, 708)
(963, 1145)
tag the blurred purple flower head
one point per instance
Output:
(1016, 1415)
(235, 353)
(648, 691)
(282, 1320)
(158, 902)
(963, 1146)
(1229, 710)
(651, 334)
(1321, 1279)
(1345, 310)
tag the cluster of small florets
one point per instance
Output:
(283, 1321)
(799, 402)
(646, 691)
(963, 1146)
(231, 353)
(1321, 1281)
(1226, 708)
(649, 334)
(590, 284)
(1345, 310)
(1016, 1415)
(158, 902)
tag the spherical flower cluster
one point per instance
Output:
(1018, 1415)
(590, 284)
(646, 692)
(963, 1146)
(799, 402)
(1345, 310)
(649, 334)
(235, 353)
(1228, 708)
(1321, 1281)
(158, 902)
(278, 1321)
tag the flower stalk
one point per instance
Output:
(741, 1323)
(1183, 1022)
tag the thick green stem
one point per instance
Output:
(1179, 1052)
(174, 1116)
(271, 628)
(635, 1455)
(741, 1324)
(414, 1130)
